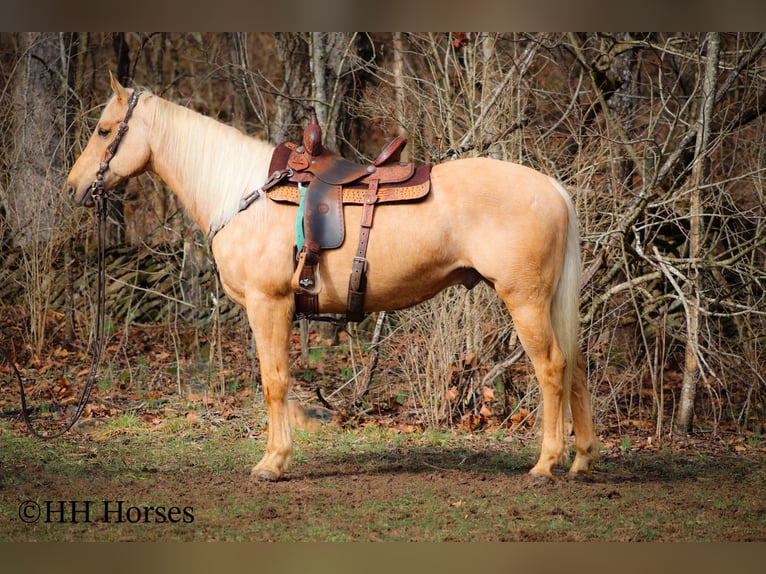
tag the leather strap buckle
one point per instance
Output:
(359, 264)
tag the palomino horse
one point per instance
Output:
(509, 225)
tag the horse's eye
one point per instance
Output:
(103, 132)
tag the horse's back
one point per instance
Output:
(498, 201)
(493, 181)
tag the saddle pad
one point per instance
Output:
(288, 193)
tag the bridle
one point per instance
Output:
(97, 188)
(100, 201)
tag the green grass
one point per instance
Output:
(370, 483)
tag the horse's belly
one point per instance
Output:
(410, 259)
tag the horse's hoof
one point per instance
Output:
(538, 479)
(264, 475)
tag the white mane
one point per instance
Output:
(209, 165)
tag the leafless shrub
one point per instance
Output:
(445, 349)
(616, 117)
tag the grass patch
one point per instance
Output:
(371, 483)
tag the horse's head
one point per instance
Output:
(132, 155)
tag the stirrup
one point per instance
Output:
(306, 280)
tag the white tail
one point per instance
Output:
(565, 309)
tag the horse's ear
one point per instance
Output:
(119, 91)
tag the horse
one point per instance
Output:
(484, 219)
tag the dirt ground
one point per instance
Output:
(196, 487)
(454, 496)
(148, 463)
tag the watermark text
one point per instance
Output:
(101, 511)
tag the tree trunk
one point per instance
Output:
(289, 115)
(333, 57)
(34, 204)
(329, 58)
(700, 176)
(36, 160)
(399, 93)
(317, 51)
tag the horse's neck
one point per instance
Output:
(207, 164)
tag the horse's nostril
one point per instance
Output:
(74, 195)
(70, 192)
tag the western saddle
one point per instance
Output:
(321, 182)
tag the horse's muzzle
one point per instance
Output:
(79, 197)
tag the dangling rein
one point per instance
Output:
(100, 200)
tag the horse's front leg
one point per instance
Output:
(271, 321)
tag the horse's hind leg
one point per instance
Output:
(533, 324)
(586, 443)
(270, 320)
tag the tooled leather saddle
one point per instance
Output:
(321, 182)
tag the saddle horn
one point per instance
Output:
(312, 135)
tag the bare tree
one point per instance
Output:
(295, 88)
(36, 154)
(660, 148)
(664, 251)
(36, 159)
(699, 178)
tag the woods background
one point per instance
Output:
(659, 138)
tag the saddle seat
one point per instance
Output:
(320, 182)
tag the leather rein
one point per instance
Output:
(100, 200)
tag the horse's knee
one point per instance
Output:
(275, 392)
